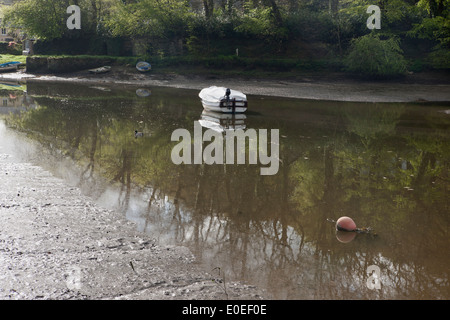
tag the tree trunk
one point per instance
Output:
(208, 5)
(275, 11)
(230, 4)
(333, 6)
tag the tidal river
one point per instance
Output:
(385, 165)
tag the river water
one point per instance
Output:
(384, 165)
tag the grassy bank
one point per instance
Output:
(10, 57)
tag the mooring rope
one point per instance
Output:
(367, 230)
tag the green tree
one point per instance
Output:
(262, 21)
(435, 27)
(149, 18)
(435, 7)
(45, 19)
(373, 57)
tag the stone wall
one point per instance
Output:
(46, 65)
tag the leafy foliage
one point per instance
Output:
(266, 28)
(438, 30)
(371, 56)
(41, 18)
(258, 22)
(163, 18)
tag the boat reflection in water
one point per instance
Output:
(221, 122)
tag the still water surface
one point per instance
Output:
(385, 165)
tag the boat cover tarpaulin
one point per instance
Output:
(216, 94)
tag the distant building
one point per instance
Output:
(7, 34)
(15, 102)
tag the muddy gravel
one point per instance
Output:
(56, 243)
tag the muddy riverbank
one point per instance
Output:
(334, 87)
(56, 243)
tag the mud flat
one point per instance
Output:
(56, 243)
(414, 88)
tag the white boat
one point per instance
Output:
(143, 92)
(221, 99)
(221, 122)
(100, 70)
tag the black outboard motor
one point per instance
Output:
(227, 99)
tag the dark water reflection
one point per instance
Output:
(385, 165)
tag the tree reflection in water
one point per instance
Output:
(385, 165)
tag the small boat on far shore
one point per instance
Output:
(143, 92)
(10, 66)
(100, 70)
(221, 99)
(143, 66)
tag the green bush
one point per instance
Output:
(6, 48)
(440, 59)
(372, 57)
(417, 65)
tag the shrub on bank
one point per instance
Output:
(440, 59)
(8, 48)
(370, 56)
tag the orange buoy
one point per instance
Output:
(345, 224)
